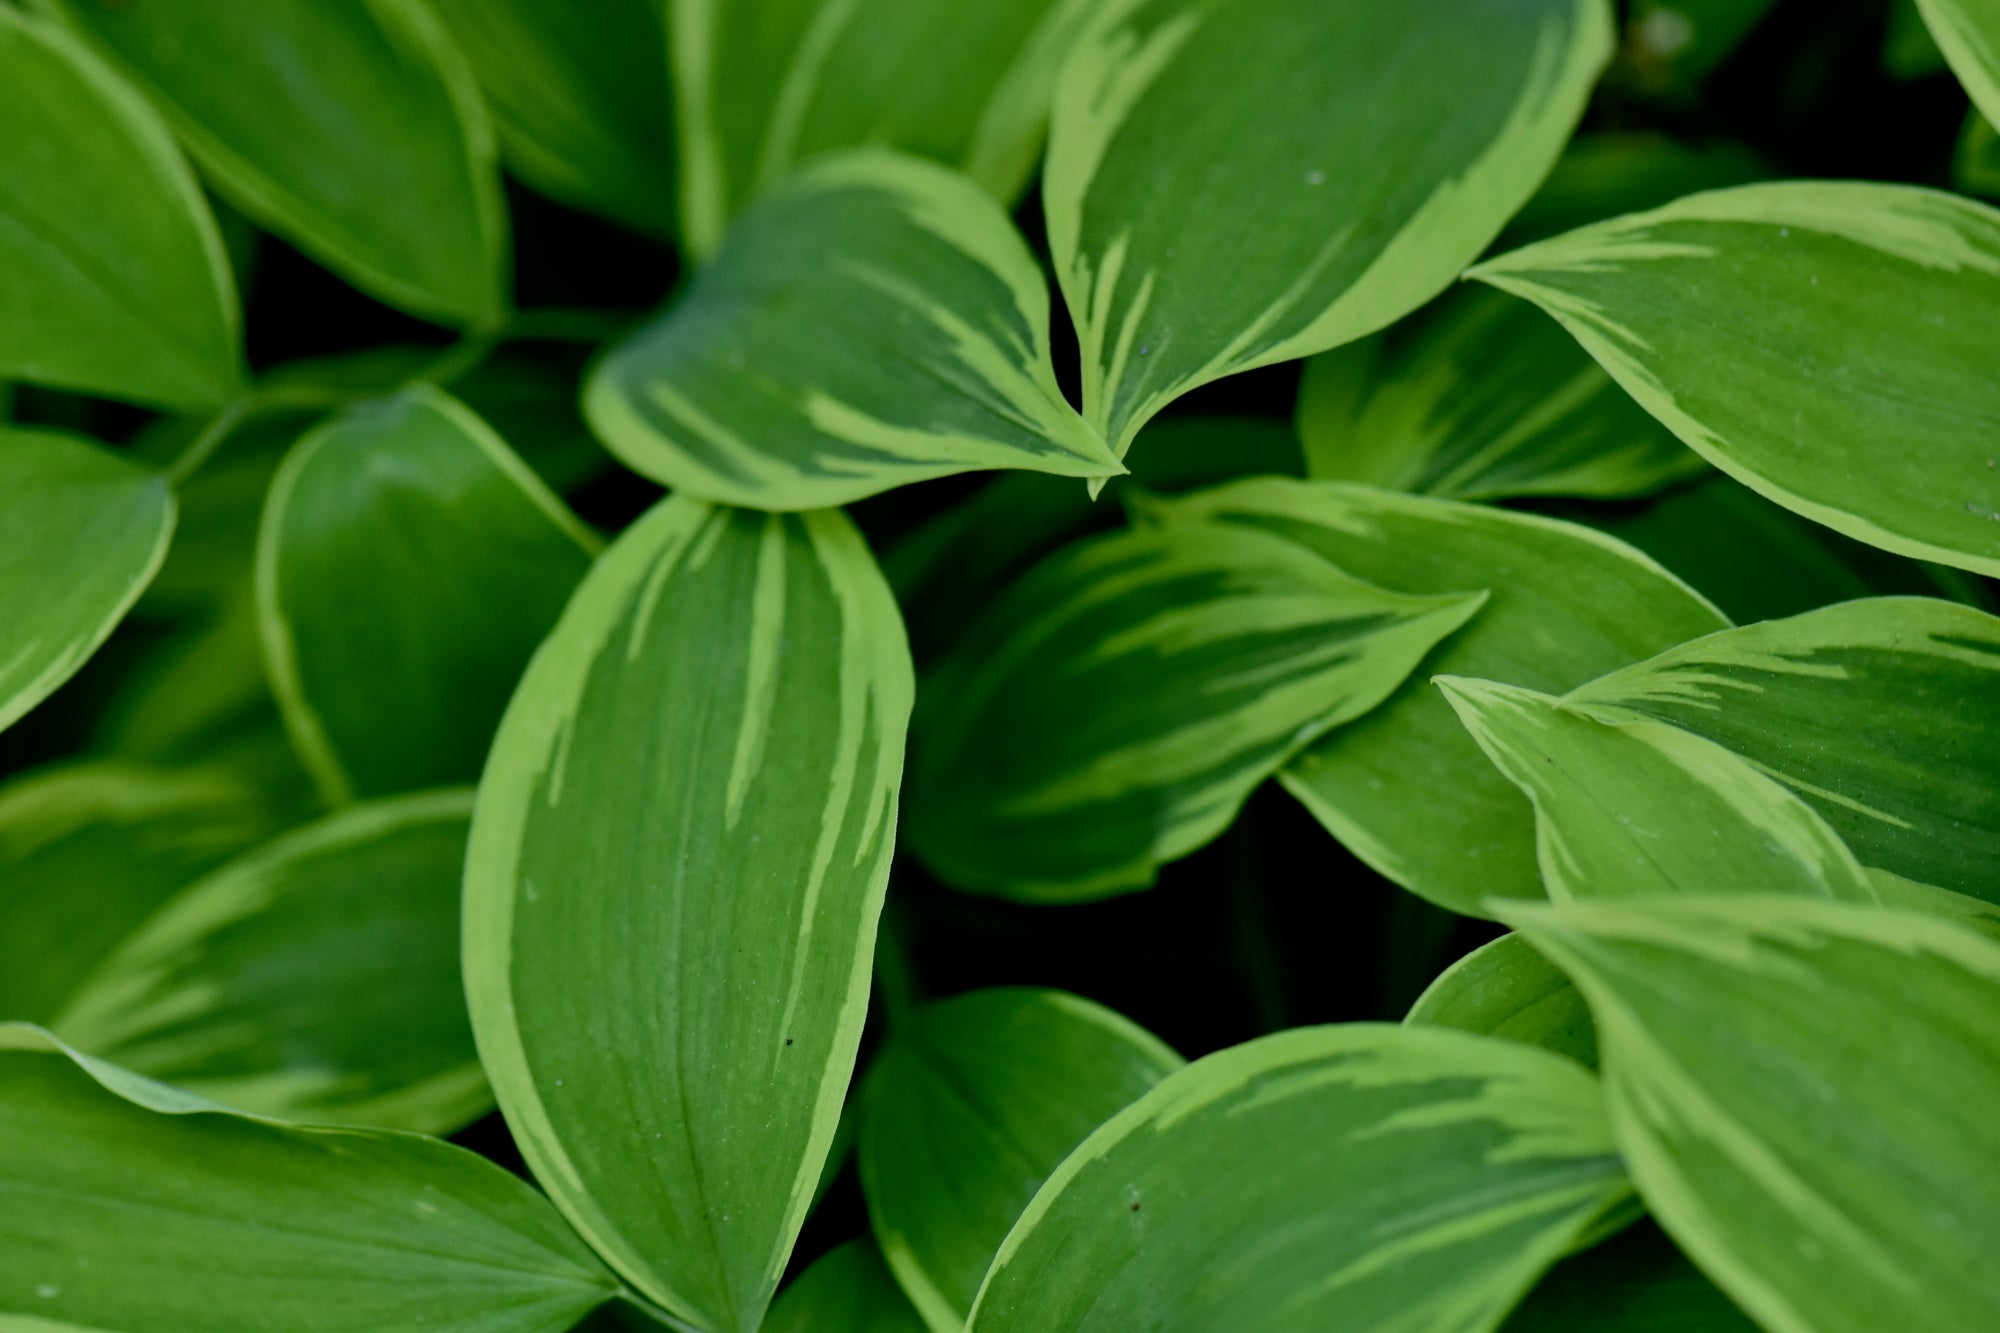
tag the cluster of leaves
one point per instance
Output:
(1654, 632)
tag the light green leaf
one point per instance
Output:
(1359, 1177)
(135, 1208)
(1506, 989)
(765, 84)
(82, 532)
(1968, 33)
(1636, 1282)
(968, 1108)
(112, 275)
(90, 850)
(582, 105)
(316, 978)
(1883, 714)
(1116, 706)
(353, 130)
(1405, 788)
(847, 1290)
(407, 565)
(1785, 331)
(1481, 396)
(1975, 167)
(1372, 151)
(1800, 1089)
(1627, 807)
(876, 322)
(677, 862)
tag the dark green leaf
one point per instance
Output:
(1635, 1283)
(847, 1290)
(1506, 989)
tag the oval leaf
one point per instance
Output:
(316, 978)
(1506, 989)
(877, 322)
(1786, 331)
(1405, 788)
(1968, 33)
(407, 565)
(157, 1212)
(1794, 1084)
(677, 863)
(353, 130)
(968, 1108)
(82, 532)
(1118, 704)
(1374, 151)
(847, 1290)
(112, 275)
(1327, 1179)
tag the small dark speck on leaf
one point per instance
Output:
(788, 1041)
(1135, 1205)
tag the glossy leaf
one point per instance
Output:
(353, 130)
(847, 1290)
(112, 275)
(677, 861)
(1506, 989)
(1882, 714)
(765, 84)
(1116, 706)
(1405, 788)
(1356, 1177)
(1785, 331)
(1637, 1282)
(1478, 397)
(582, 108)
(316, 978)
(135, 1208)
(1793, 1084)
(1968, 33)
(407, 565)
(1372, 150)
(968, 1108)
(877, 322)
(82, 532)
(1627, 807)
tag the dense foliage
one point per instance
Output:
(1434, 556)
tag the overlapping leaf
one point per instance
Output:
(677, 861)
(1636, 1282)
(1233, 183)
(1786, 331)
(847, 1290)
(1356, 1177)
(1117, 705)
(1506, 989)
(971, 1105)
(1405, 788)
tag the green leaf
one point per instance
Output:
(1627, 807)
(1600, 176)
(1784, 331)
(847, 1290)
(968, 1108)
(1478, 397)
(765, 84)
(677, 862)
(316, 978)
(156, 1212)
(1799, 1089)
(1884, 715)
(1636, 1282)
(583, 108)
(1116, 706)
(1373, 153)
(876, 322)
(1968, 33)
(355, 131)
(89, 850)
(1359, 1177)
(112, 275)
(1909, 51)
(1975, 168)
(82, 532)
(1506, 989)
(407, 565)
(1405, 788)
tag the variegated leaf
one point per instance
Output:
(1405, 788)
(1968, 33)
(876, 322)
(1233, 183)
(1506, 989)
(1786, 331)
(1117, 704)
(1329, 1179)
(677, 860)
(1800, 1088)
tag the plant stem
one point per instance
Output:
(219, 428)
